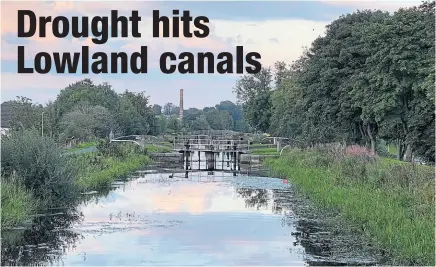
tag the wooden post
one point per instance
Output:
(222, 160)
(278, 146)
(187, 155)
(239, 161)
(234, 157)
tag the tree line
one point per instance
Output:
(370, 78)
(85, 111)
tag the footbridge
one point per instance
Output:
(140, 140)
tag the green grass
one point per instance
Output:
(264, 151)
(111, 169)
(257, 146)
(393, 149)
(17, 204)
(81, 146)
(393, 203)
(157, 149)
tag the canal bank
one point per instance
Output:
(390, 202)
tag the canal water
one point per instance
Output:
(162, 218)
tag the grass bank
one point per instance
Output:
(81, 146)
(158, 149)
(102, 171)
(393, 203)
(264, 151)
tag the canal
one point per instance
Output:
(157, 217)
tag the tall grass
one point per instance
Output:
(157, 149)
(107, 170)
(264, 151)
(17, 204)
(81, 146)
(392, 203)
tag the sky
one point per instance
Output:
(276, 30)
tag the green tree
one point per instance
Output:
(140, 103)
(87, 123)
(254, 93)
(157, 109)
(174, 124)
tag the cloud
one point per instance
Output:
(390, 6)
(293, 36)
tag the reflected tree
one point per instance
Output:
(43, 243)
(254, 197)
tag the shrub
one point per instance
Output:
(39, 166)
(118, 149)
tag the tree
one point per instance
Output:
(173, 124)
(86, 92)
(170, 109)
(370, 77)
(200, 123)
(87, 123)
(139, 102)
(24, 114)
(254, 92)
(157, 109)
(130, 120)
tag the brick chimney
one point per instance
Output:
(181, 105)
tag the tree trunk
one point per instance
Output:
(399, 149)
(408, 153)
(371, 138)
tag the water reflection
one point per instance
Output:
(46, 241)
(166, 219)
(254, 198)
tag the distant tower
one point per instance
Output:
(181, 105)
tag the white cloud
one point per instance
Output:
(390, 6)
(292, 36)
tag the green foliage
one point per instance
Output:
(157, 149)
(39, 166)
(104, 172)
(370, 77)
(264, 151)
(118, 149)
(173, 124)
(17, 203)
(137, 115)
(22, 113)
(254, 92)
(390, 201)
(85, 91)
(86, 123)
(170, 109)
(81, 146)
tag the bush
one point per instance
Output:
(39, 166)
(118, 149)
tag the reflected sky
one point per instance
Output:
(160, 221)
(206, 219)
